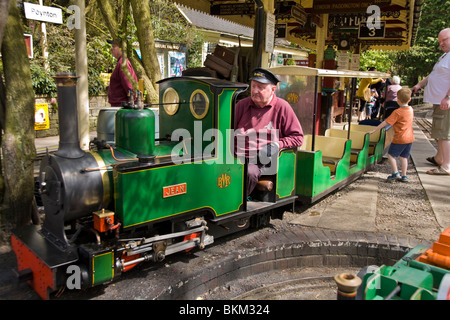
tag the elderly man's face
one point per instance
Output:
(262, 93)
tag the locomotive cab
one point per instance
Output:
(198, 114)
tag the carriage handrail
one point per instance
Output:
(307, 71)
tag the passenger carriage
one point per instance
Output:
(332, 160)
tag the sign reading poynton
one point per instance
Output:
(43, 13)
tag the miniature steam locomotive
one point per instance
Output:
(145, 198)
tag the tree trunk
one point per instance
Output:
(143, 21)
(146, 68)
(4, 9)
(18, 140)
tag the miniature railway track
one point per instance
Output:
(307, 288)
(424, 124)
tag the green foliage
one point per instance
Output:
(382, 60)
(43, 83)
(169, 25)
(100, 61)
(416, 63)
(290, 62)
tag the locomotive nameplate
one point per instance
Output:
(174, 190)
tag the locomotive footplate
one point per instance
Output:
(39, 259)
(256, 207)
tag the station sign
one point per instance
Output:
(41, 117)
(280, 30)
(366, 32)
(355, 61)
(346, 21)
(299, 14)
(29, 44)
(343, 60)
(43, 13)
(270, 32)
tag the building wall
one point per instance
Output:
(95, 105)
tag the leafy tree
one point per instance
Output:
(145, 21)
(118, 18)
(418, 61)
(168, 24)
(382, 60)
(61, 51)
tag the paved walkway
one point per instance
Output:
(437, 188)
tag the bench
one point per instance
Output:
(374, 137)
(357, 138)
(332, 149)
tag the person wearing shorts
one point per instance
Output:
(437, 92)
(402, 122)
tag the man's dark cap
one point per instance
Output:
(110, 41)
(264, 76)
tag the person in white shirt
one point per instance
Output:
(437, 92)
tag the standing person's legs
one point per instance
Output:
(368, 110)
(393, 163)
(404, 165)
(444, 153)
(440, 131)
(404, 156)
(362, 107)
(399, 151)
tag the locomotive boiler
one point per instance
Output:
(144, 198)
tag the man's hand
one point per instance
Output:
(268, 150)
(445, 103)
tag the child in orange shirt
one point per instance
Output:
(401, 120)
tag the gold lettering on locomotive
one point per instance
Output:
(223, 180)
(174, 190)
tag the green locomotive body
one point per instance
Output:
(146, 198)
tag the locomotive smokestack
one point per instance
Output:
(69, 141)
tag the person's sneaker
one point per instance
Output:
(394, 176)
(404, 179)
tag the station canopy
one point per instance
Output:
(351, 24)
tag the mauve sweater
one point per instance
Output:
(259, 126)
(119, 85)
